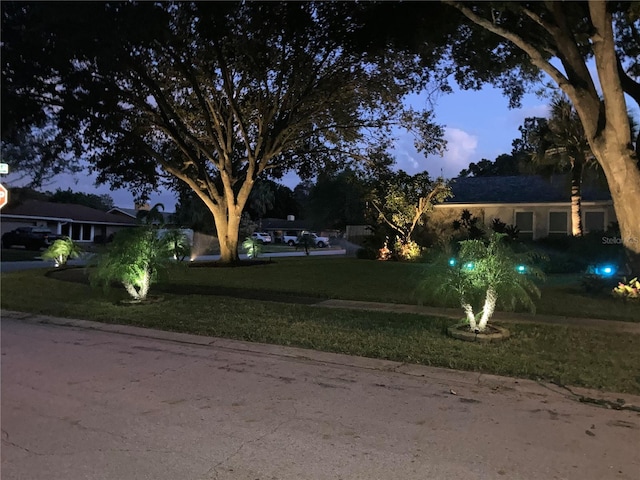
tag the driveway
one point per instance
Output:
(81, 403)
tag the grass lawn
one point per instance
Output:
(567, 355)
(393, 282)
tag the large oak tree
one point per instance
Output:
(215, 94)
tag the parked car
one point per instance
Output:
(314, 239)
(261, 237)
(32, 238)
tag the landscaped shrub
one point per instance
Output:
(409, 251)
(252, 247)
(630, 291)
(134, 258)
(61, 251)
(485, 274)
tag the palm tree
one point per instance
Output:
(562, 145)
(153, 216)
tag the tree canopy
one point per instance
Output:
(215, 94)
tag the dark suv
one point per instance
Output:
(32, 238)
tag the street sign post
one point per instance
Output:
(4, 168)
(3, 196)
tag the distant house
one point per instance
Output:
(80, 223)
(278, 227)
(133, 213)
(538, 206)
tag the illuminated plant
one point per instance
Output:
(134, 259)
(61, 251)
(178, 243)
(252, 247)
(487, 273)
(630, 291)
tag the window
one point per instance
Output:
(557, 224)
(524, 222)
(594, 222)
(76, 230)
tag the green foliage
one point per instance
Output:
(482, 265)
(337, 200)
(503, 165)
(99, 202)
(134, 258)
(61, 251)
(467, 226)
(178, 243)
(569, 254)
(252, 246)
(409, 251)
(511, 231)
(153, 216)
(402, 201)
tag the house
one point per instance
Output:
(540, 207)
(133, 213)
(279, 228)
(80, 223)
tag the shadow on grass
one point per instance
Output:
(80, 275)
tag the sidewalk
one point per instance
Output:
(507, 317)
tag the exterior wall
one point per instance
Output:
(442, 217)
(79, 232)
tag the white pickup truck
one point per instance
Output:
(316, 240)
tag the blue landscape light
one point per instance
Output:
(521, 269)
(468, 266)
(605, 270)
(452, 262)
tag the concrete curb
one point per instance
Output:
(456, 382)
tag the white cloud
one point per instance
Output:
(515, 118)
(461, 150)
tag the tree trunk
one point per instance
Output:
(576, 198)
(468, 310)
(227, 219)
(488, 309)
(610, 140)
(623, 177)
(228, 226)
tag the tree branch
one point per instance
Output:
(536, 58)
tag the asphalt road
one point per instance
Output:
(79, 403)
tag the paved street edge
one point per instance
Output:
(461, 382)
